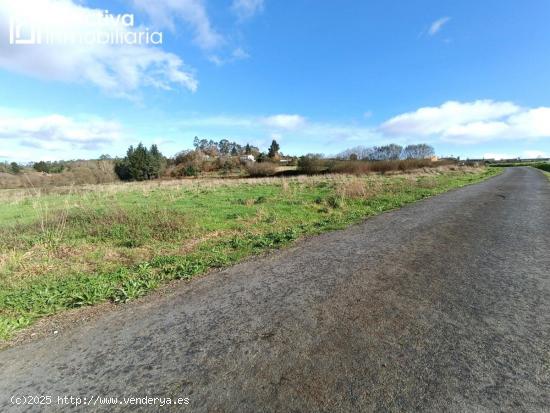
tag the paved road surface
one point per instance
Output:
(443, 305)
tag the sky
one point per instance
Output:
(470, 78)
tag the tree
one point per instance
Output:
(156, 161)
(420, 151)
(224, 146)
(273, 149)
(358, 153)
(209, 147)
(49, 167)
(41, 167)
(236, 149)
(140, 163)
(15, 168)
(247, 149)
(389, 152)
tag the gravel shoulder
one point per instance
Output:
(443, 305)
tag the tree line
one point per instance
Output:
(389, 152)
(142, 163)
(223, 147)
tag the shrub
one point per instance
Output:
(122, 170)
(543, 166)
(350, 167)
(190, 170)
(49, 167)
(15, 168)
(363, 167)
(191, 163)
(255, 169)
(311, 164)
(226, 164)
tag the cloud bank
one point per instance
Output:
(471, 122)
(119, 70)
(164, 13)
(472, 125)
(57, 132)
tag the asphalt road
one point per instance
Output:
(443, 305)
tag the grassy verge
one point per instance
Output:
(77, 248)
(544, 166)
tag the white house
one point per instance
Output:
(247, 158)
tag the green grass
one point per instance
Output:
(544, 166)
(83, 247)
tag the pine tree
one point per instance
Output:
(139, 163)
(273, 149)
(156, 161)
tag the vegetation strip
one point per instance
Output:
(65, 251)
(544, 166)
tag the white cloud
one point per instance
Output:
(280, 122)
(471, 122)
(116, 69)
(217, 60)
(164, 12)
(533, 154)
(283, 121)
(245, 9)
(239, 53)
(437, 25)
(236, 55)
(57, 132)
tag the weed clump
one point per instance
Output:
(261, 169)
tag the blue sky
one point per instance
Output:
(469, 77)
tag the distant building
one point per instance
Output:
(247, 158)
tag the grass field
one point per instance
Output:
(75, 247)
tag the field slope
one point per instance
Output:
(80, 246)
